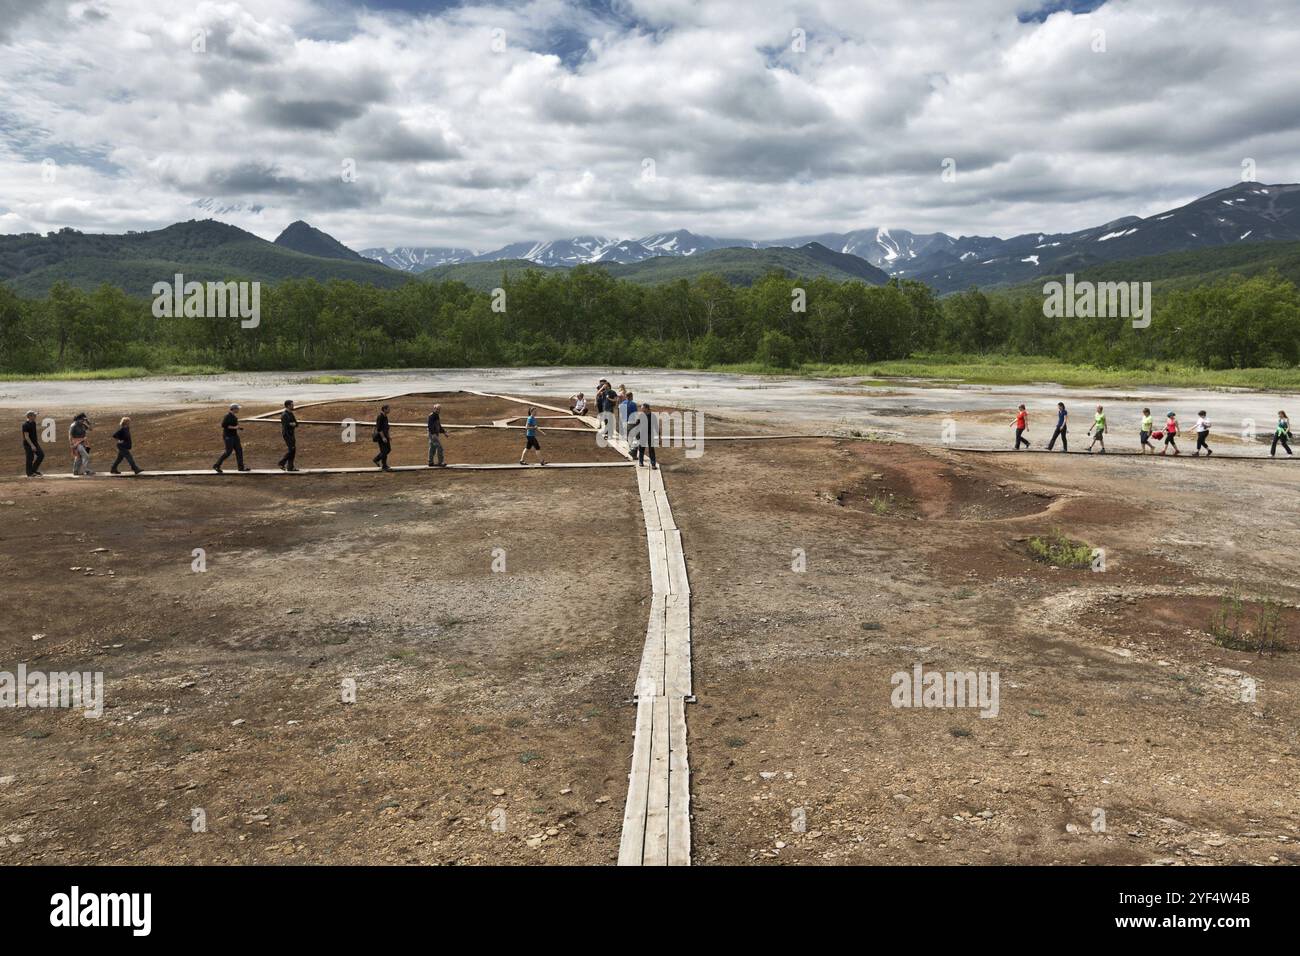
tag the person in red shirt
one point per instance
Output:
(1171, 431)
(1021, 423)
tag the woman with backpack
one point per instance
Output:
(1281, 434)
(1202, 435)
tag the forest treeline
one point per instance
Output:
(586, 317)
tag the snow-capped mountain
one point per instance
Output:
(1245, 212)
(220, 207)
(555, 252)
(412, 259)
(888, 249)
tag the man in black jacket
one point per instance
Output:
(230, 435)
(123, 438)
(435, 443)
(32, 450)
(380, 438)
(289, 430)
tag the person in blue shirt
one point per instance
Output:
(626, 409)
(531, 429)
(1061, 416)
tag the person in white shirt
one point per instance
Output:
(1202, 435)
(578, 404)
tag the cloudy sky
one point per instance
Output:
(400, 122)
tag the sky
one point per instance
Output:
(397, 122)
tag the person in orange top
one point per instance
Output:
(1020, 424)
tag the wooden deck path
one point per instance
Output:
(369, 470)
(656, 817)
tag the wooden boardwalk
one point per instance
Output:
(657, 815)
(370, 470)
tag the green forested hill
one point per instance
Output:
(1185, 270)
(200, 250)
(740, 266)
(735, 266)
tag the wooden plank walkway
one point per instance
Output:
(371, 470)
(656, 817)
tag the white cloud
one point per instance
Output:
(455, 143)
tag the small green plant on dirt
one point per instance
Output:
(329, 380)
(1059, 551)
(882, 505)
(1235, 628)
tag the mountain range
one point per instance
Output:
(733, 265)
(1244, 212)
(1247, 224)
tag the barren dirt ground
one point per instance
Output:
(482, 697)
(1113, 697)
(500, 698)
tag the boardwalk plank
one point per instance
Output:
(679, 786)
(631, 845)
(656, 817)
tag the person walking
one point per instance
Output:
(1098, 430)
(1171, 431)
(33, 454)
(1061, 428)
(646, 436)
(289, 432)
(1202, 429)
(1282, 434)
(602, 406)
(230, 435)
(435, 443)
(78, 433)
(1020, 424)
(1144, 433)
(611, 409)
(530, 437)
(382, 439)
(123, 438)
(626, 409)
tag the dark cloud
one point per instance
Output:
(305, 114)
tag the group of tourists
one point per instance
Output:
(78, 444)
(380, 436)
(1147, 432)
(79, 441)
(618, 409)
